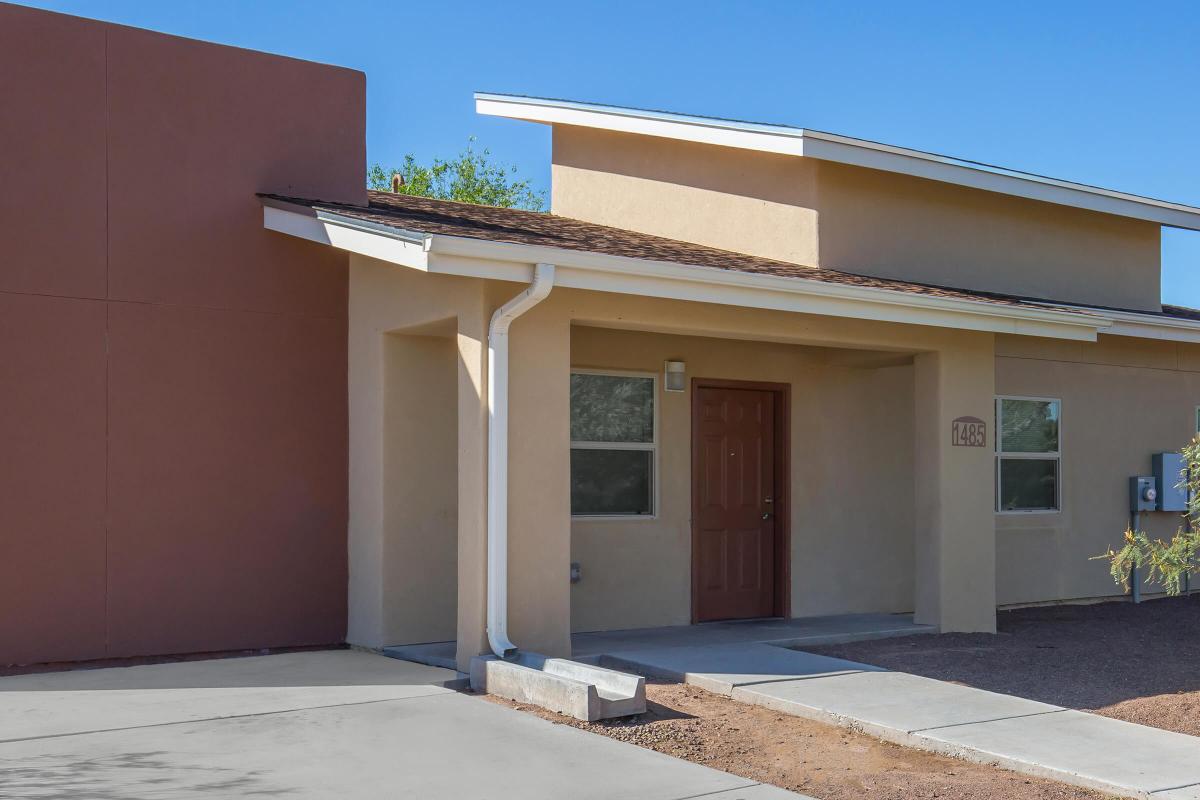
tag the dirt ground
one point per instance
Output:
(808, 757)
(1139, 663)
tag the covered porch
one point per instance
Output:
(876, 502)
(843, 496)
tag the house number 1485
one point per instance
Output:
(968, 432)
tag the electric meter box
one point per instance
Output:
(1168, 474)
(1142, 494)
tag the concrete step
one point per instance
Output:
(435, 654)
(584, 691)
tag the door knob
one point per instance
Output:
(767, 515)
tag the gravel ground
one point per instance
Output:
(1139, 663)
(818, 760)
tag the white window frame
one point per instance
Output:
(999, 453)
(651, 446)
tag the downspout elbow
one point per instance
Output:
(497, 487)
(537, 291)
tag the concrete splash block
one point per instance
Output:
(582, 691)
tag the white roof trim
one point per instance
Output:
(481, 258)
(843, 149)
(1148, 326)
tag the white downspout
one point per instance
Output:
(497, 486)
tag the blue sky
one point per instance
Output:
(1099, 92)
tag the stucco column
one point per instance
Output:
(366, 432)
(472, 480)
(539, 510)
(955, 524)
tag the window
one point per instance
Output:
(614, 437)
(1028, 454)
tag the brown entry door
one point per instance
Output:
(733, 482)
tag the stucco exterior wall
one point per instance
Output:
(391, 309)
(895, 226)
(855, 419)
(821, 213)
(851, 482)
(956, 543)
(757, 203)
(953, 375)
(387, 302)
(1122, 400)
(420, 485)
(173, 413)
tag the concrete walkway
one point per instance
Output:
(799, 632)
(326, 724)
(1026, 736)
(810, 631)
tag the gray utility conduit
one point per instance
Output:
(497, 460)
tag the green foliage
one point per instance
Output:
(1167, 562)
(470, 177)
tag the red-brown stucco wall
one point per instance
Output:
(173, 440)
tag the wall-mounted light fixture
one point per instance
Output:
(674, 379)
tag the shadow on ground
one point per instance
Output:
(1088, 657)
(120, 777)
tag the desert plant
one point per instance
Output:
(1167, 562)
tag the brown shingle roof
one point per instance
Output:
(448, 218)
(1181, 312)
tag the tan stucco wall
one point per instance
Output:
(1123, 399)
(539, 477)
(953, 376)
(420, 486)
(387, 302)
(391, 304)
(895, 226)
(756, 203)
(956, 546)
(851, 483)
(854, 219)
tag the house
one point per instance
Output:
(740, 371)
(764, 372)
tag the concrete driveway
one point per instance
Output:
(329, 724)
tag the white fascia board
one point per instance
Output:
(480, 258)
(346, 234)
(1151, 326)
(622, 275)
(831, 147)
(842, 149)
(668, 126)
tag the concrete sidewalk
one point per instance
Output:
(799, 632)
(325, 724)
(1023, 735)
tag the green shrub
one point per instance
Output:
(1167, 562)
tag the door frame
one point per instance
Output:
(781, 606)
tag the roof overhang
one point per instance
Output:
(842, 149)
(480, 258)
(1150, 326)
